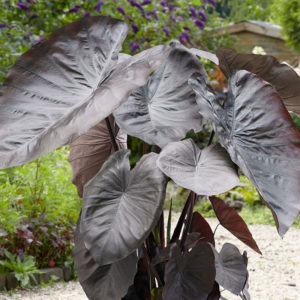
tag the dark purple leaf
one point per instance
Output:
(190, 275)
(121, 206)
(209, 171)
(260, 137)
(90, 151)
(191, 240)
(200, 225)
(231, 270)
(142, 279)
(147, 114)
(109, 282)
(284, 79)
(230, 219)
(215, 293)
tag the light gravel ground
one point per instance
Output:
(273, 276)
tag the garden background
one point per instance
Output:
(39, 205)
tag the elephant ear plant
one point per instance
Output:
(74, 87)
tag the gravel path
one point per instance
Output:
(273, 276)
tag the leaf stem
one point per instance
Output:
(111, 134)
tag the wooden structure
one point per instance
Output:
(265, 35)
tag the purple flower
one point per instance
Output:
(146, 2)
(202, 15)
(87, 14)
(139, 6)
(23, 6)
(121, 10)
(184, 37)
(154, 13)
(180, 19)
(166, 31)
(59, 10)
(131, 43)
(193, 11)
(172, 17)
(213, 3)
(2, 25)
(135, 47)
(97, 7)
(34, 16)
(142, 40)
(199, 24)
(31, 1)
(134, 28)
(186, 28)
(164, 3)
(74, 9)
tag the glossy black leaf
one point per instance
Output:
(90, 151)
(215, 293)
(109, 282)
(284, 79)
(67, 84)
(260, 136)
(231, 270)
(121, 207)
(206, 172)
(164, 109)
(190, 275)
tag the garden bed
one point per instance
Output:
(9, 281)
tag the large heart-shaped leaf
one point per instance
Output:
(49, 82)
(285, 80)
(164, 109)
(90, 151)
(231, 270)
(206, 172)
(66, 84)
(121, 207)
(190, 275)
(231, 220)
(109, 282)
(260, 136)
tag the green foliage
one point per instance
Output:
(245, 192)
(287, 14)
(41, 186)
(237, 11)
(24, 269)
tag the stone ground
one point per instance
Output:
(273, 276)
